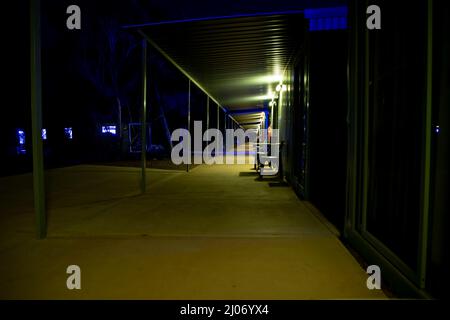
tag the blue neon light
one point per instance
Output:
(327, 18)
(68, 133)
(20, 133)
(20, 137)
(109, 130)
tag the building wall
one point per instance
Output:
(359, 121)
(392, 203)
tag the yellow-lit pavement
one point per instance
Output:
(212, 233)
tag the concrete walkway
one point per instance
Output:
(212, 233)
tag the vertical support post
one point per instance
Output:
(217, 122)
(207, 117)
(144, 117)
(266, 119)
(366, 125)
(352, 120)
(225, 121)
(426, 175)
(272, 111)
(189, 117)
(36, 119)
(207, 112)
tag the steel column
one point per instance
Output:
(144, 117)
(36, 119)
(189, 117)
(207, 112)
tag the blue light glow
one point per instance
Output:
(21, 137)
(109, 130)
(327, 18)
(20, 133)
(68, 133)
(44, 134)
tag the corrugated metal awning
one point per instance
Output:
(237, 60)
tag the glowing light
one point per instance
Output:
(21, 141)
(274, 78)
(281, 87)
(277, 69)
(437, 129)
(109, 130)
(327, 18)
(270, 94)
(255, 80)
(44, 134)
(21, 136)
(68, 133)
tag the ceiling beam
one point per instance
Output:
(165, 55)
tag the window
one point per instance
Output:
(327, 18)
(109, 130)
(20, 134)
(68, 133)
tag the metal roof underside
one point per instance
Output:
(233, 59)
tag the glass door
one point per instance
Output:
(397, 128)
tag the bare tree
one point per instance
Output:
(106, 61)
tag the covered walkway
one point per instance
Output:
(182, 239)
(351, 119)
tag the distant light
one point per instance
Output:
(278, 88)
(20, 137)
(68, 133)
(44, 134)
(21, 141)
(272, 78)
(256, 80)
(437, 129)
(284, 87)
(109, 130)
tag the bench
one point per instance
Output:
(262, 157)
